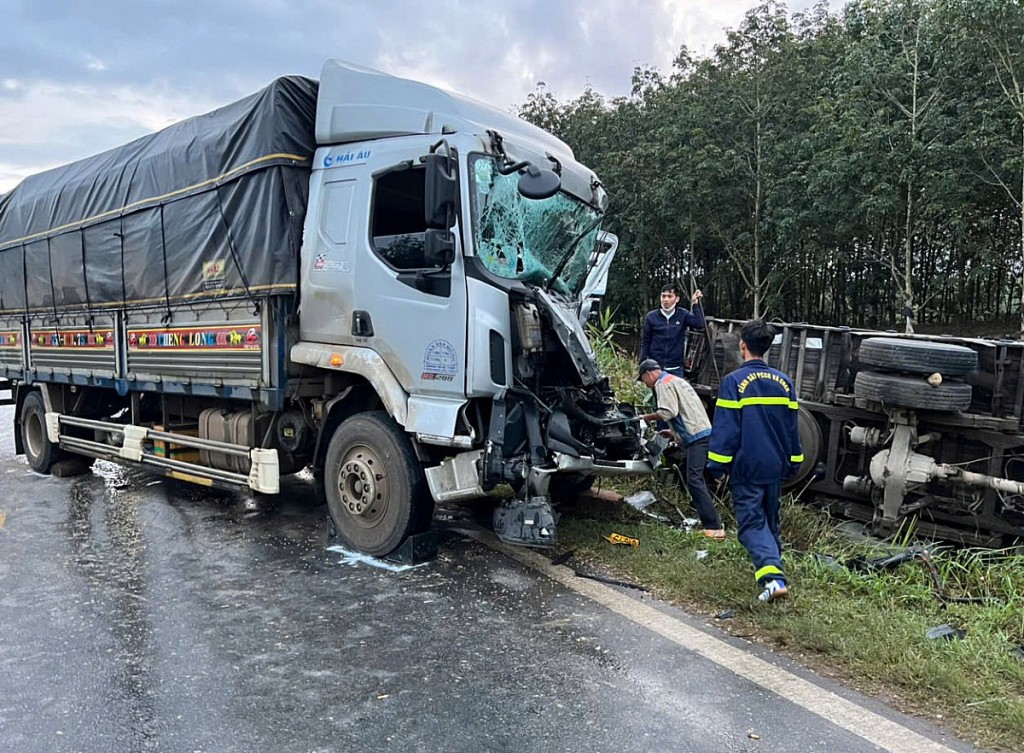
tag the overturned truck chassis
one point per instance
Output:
(896, 427)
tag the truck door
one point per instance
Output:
(366, 277)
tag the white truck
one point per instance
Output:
(366, 275)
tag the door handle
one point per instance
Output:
(362, 326)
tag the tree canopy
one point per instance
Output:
(861, 168)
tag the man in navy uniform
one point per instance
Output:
(755, 439)
(663, 338)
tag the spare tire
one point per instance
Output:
(917, 356)
(911, 392)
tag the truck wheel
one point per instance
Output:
(810, 443)
(911, 392)
(41, 453)
(917, 356)
(376, 490)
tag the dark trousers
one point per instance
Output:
(696, 459)
(757, 517)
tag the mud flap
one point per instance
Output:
(526, 522)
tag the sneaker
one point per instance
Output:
(774, 590)
(718, 534)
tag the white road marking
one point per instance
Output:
(876, 729)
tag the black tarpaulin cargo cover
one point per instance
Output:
(206, 208)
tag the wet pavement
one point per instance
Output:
(138, 614)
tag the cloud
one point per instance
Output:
(79, 78)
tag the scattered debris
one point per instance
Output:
(1018, 652)
(945, 631)
(618, 538)
(689, 524)
(358, 558)
(3, 519)
(912, 554)
(728, 614)
(702, 553)
(640, 500)
(753, 735)
(610, 581)
(828, 562)
(561, 559)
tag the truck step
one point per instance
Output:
(156, 450)
(6, 386)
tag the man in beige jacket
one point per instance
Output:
(679, 407)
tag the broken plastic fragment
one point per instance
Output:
(358, 558)
(618, 538)
(640, 500)
(945, 631)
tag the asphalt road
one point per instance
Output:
(138, 614)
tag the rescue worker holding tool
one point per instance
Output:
(756, 441)
(663, 337)
(678, 406)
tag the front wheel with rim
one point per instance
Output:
(41, 453)
(376, 490)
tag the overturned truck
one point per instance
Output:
(897, 427)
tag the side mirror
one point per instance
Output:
(536, 183)
(441, 192)
(438, 248)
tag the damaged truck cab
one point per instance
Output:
(413, 331)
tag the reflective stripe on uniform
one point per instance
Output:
(719, 458)
(736, 404)
(796, 458)
(768, 570)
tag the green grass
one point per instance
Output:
(868, 628)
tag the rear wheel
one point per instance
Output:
(375, 487)
(41, 453)
(917, 356)
(912, 392)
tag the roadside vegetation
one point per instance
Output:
(851, 614)
(860, 165)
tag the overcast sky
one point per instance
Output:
(80, 77)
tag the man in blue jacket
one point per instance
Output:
(755, 439)
(663, 338)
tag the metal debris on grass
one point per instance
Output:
(946, 632)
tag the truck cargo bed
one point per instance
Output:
(232, 349)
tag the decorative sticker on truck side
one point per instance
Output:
(78, 339)
(440, 362)
(204, 339)
(322, 264)
(10, 340)
(213, 274)
(340, 159)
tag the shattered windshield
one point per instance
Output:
(526, 239)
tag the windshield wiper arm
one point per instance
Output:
(560, 267)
